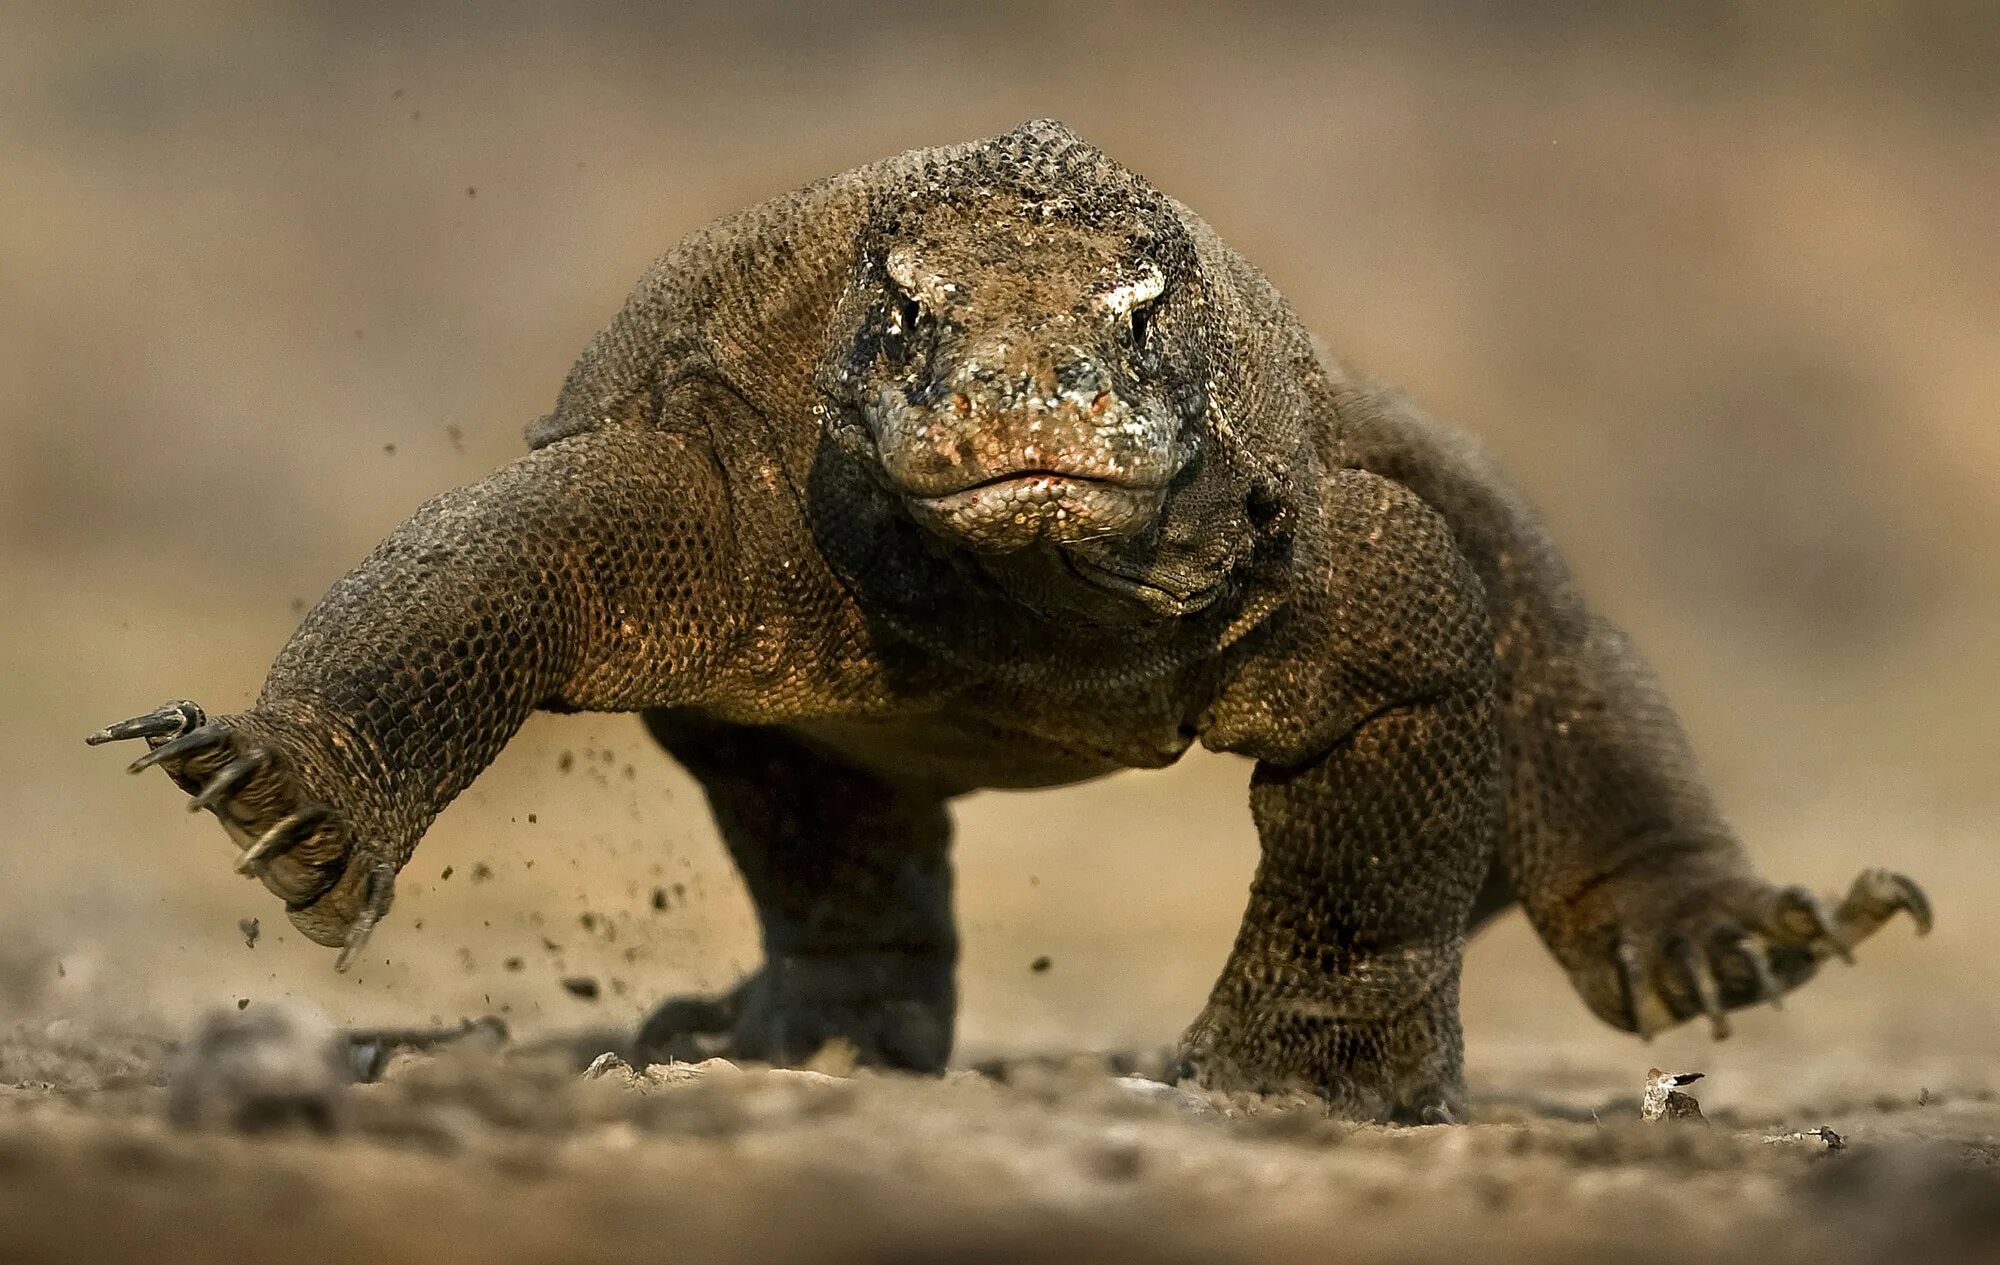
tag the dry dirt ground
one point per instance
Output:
(468, 1156)
(1715, 280)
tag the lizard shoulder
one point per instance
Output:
(1384, 611)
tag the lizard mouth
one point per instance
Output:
(1011, 511)
(1158, 598)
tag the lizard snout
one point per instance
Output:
(1001, 460)
(979, 425)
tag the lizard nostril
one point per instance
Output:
(1100, 402)
(960, 403)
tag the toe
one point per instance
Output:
(180, 748)
(336, 905)
(1744, 969)
(1628, 960)
(378, 891)
(1696, 979)
(169, 720)
(690, 1027)
(292, 830)
(1800, 919)
(234, 774)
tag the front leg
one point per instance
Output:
(1377, 801)
(597, 573)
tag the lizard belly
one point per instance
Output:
(967, 750)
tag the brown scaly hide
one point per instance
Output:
(991, 465)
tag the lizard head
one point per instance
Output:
(1021, 353)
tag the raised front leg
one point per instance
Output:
(1377, 801)
(597, 573)
(852, 883)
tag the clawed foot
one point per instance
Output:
(298, 845)
(892, 1009)
(1380, 1042)
(1666, 954)
(1350, 1067)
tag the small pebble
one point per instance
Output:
(1822, 1137)
(1663, 1100)
(606, 1064)
(1184, 1100)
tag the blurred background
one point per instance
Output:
(1721, 290)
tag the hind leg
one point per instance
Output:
(1624, 864)
(1627, 870)
(852, 885)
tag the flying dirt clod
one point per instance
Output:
(992, 466)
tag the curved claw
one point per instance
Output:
(1631, 968)
(179, 748)
(1914, 900)
(1438, 1113)
(1701, 981)
(293, 830)
(1876, 896)
(233, 775)
(379, 891)
(1825, 935)
(168, 720)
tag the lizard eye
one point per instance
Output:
(904, 282)
(908, 313)
(1134, 301)
(899, 326)
(1142, 325)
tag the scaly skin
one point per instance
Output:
(992, 466)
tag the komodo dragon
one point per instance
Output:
(992, 466)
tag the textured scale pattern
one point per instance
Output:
(992, 466)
